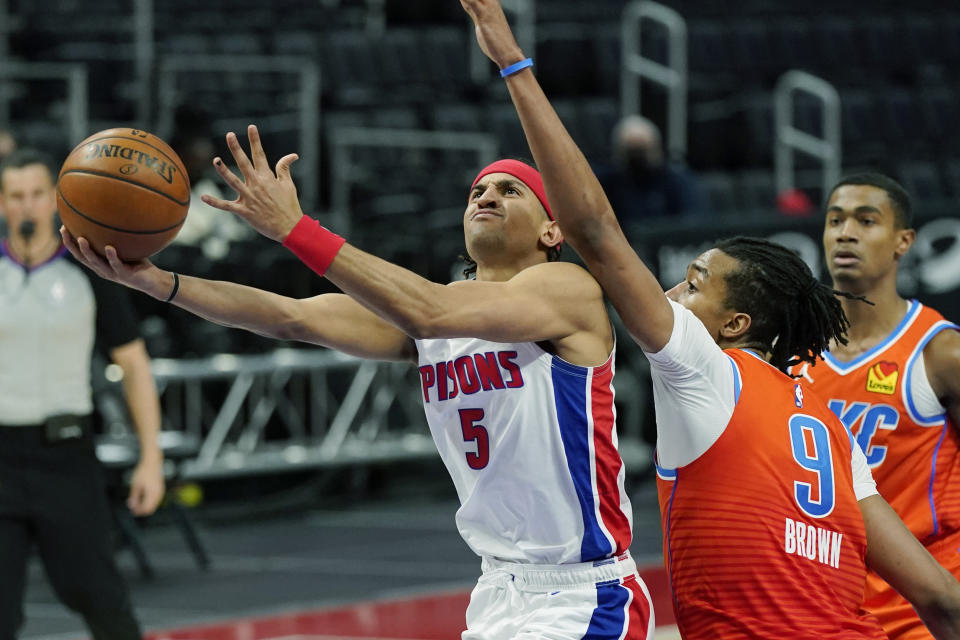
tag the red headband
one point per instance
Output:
(523, 172)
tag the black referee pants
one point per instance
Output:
(54, 496)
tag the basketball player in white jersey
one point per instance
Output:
(516, 369)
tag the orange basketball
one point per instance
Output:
(126, 188)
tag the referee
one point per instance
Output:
(52, 492)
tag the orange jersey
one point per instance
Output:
(911, 445)
(763, 536)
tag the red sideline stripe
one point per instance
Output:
(607, 459)
(428, 617)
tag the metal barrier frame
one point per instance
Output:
(673, 76)
(144, 53)
(308, 167)
(262, 387)
(342, 141)
(8, 24)
(789, 139)
(74, 74)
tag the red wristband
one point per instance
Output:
(315, 245)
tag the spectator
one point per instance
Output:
(205, 227)
(641, 184)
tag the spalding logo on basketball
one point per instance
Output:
(126, 188)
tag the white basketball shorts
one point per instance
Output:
(603, 600)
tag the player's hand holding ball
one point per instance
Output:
(142, 274)
(266, 201)
(125, 188)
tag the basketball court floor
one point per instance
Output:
(386, 568)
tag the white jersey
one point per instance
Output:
(531, 444)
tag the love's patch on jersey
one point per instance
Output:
(882, 378)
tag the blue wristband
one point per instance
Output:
(516, 66)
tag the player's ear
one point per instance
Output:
(736, 326)
(551, 235)
(905, 240)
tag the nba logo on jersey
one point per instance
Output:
(882, 378)
(798, 395)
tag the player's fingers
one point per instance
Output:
(229, 177)
(92, 259)
(224, 205)
(239, 156)
(115, 262)
(87, 252)
(283, 166)
(256, 149)
(72, 247)
(68, 240)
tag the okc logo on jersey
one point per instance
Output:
(470, 374)
(866, 421)
(882, 378)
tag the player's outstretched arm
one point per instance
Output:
(577, 199)
(548, 301)
(899, 558)
(331, 320)
(529, 307)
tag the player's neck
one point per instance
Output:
(41, 248)
(871, 323)
(501, 271)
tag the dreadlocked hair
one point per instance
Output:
(793, 316)
(553, 254)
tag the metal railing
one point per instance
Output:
(7, 26)
(308, 108)
(75, 77)
(789, 139)
(290, 390)
(672, 76)
(144, 53)
(342, 141)
(524, 13)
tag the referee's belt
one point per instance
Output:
(59, 428)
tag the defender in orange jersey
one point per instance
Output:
(771, 517)
(896, 383)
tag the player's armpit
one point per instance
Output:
(337, 321)
(899, 558)
(631, 287)
(941, 358)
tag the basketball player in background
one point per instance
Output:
(769, 511)
(516, 369)
(52, 492)
(896, 382)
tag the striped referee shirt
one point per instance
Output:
(51, 316)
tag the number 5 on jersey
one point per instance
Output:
(474, 432)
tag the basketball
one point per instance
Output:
(126, 188)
